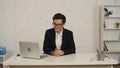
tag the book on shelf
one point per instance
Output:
(111, 47)
(105, 47)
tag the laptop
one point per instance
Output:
(29, 50)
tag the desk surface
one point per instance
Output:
(73, 59)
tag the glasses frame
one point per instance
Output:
(59, 25)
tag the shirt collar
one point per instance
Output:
(60, 33)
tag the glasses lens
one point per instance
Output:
(54, 24)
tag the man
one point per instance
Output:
(58, 40)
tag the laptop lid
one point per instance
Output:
(29, 49)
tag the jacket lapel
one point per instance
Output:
(53, 38)
(63, 35)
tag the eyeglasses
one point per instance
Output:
(54, 24)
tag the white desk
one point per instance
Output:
(68, 61)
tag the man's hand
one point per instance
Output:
(57, 52)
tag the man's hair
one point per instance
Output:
(60, 16)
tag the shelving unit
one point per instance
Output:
(110, 30)
(2, 55)
(2, 58)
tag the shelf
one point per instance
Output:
(111, 5)
(114, 51)
(112, 17)
(111, 28)
(111, 40)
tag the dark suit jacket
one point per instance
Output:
(68, 45)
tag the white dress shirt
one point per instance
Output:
(59, 39)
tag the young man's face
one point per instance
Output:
(58, 25)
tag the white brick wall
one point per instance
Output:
(28, 19)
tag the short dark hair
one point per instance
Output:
(60, 16)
